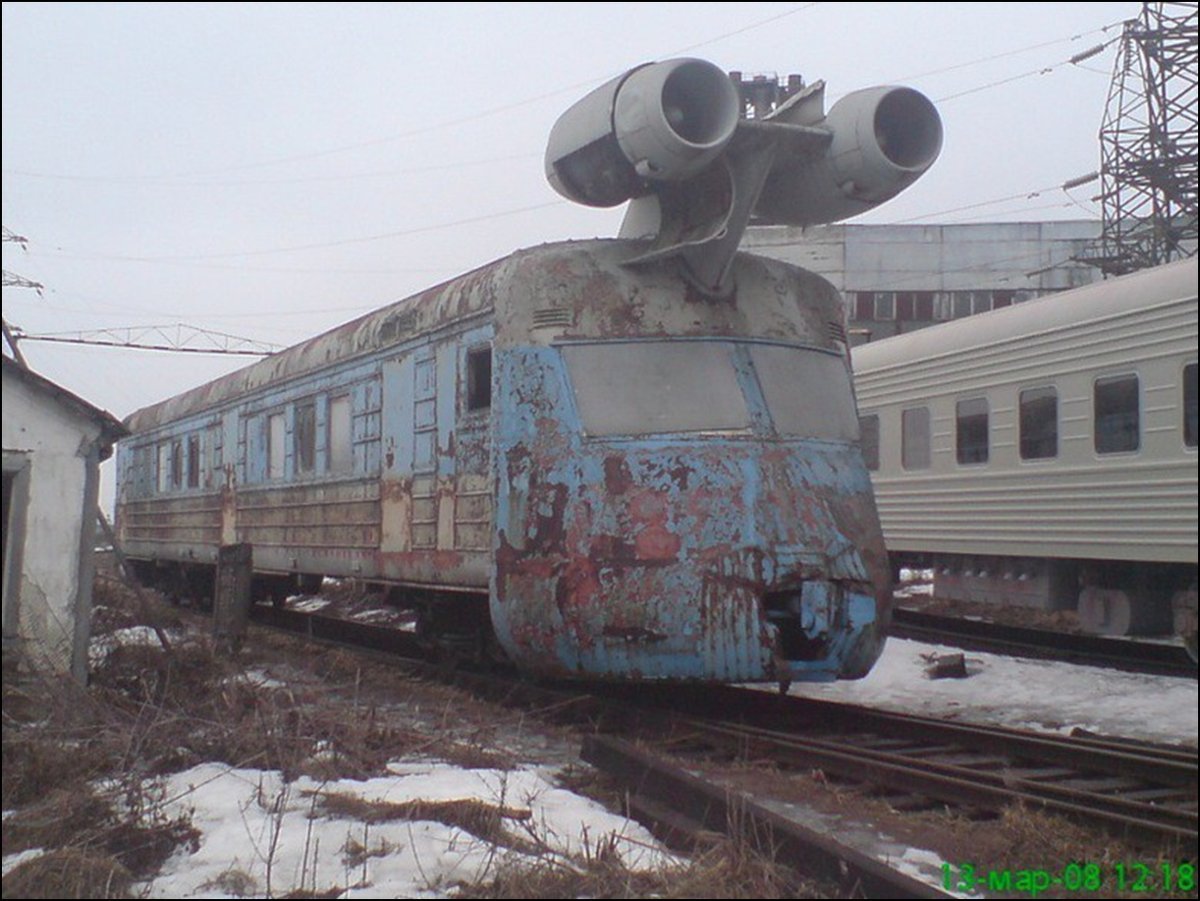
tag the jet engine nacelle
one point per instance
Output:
(882, 140)
(661, 122)
(670, 136)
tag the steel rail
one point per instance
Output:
(1019, 641)
(958, 784)
(694, 804)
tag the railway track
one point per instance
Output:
(1093, 650)
(1145, 792)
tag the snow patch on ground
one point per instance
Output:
(258, 829)
(1031, 694)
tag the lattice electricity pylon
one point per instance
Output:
(1148, 143)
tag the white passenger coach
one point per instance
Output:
(1045, 454)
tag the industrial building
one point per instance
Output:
(897, 278)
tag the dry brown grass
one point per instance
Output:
(482, 820)
(729, 868)
(1024, 839)
(68, 873)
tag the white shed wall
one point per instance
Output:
(57, 443)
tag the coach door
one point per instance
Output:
(396, 471)
(417, 500)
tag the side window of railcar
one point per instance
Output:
(868, 428)
(193, 461)
(479, 378)
(914, 438)
(1189, 405)
(1039, 423)
(304, 437)
(176, 464)
(276, 450)
(1116, 414)
(971, 430)
(164, 467)
(341, 451)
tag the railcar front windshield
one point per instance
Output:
(640, 388)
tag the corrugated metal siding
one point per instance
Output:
(191, 520)
(338, 516)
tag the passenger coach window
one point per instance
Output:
(304, 437)
(176, 464)
(1189, 405)
(1117, 427)
(914, 438)
(341, 455)
(276, 452)
(479, 378)
(868, 428)
(164, 467)
(1039, 423)
(971, 442)
(193, 461)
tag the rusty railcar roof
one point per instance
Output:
(431, 309)
(587, 276)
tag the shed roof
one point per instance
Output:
(111, 428)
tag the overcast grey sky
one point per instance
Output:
(273, 170)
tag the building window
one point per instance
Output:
(923, 306)
(864, 306)
(962, 304)
(193, 461)
(304, 437)
(905, 305)
(885, 306)
(971, 430)
(914, 438)
(1189, 405)
(868, 428)
(276, 450)
(1039, 423)
(1116, 415)
(341, 448)
(479, 378)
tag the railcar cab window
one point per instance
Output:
(807, 391)
(914, 438)
(649, 387)
(1039, 423)
(479, 379)
(1116, 415)
(971, 430)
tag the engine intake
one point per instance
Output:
(883, 139)
(661, 122)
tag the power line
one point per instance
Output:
(987, 59)
(1044, 70)
(177, 338)
(342, 242)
